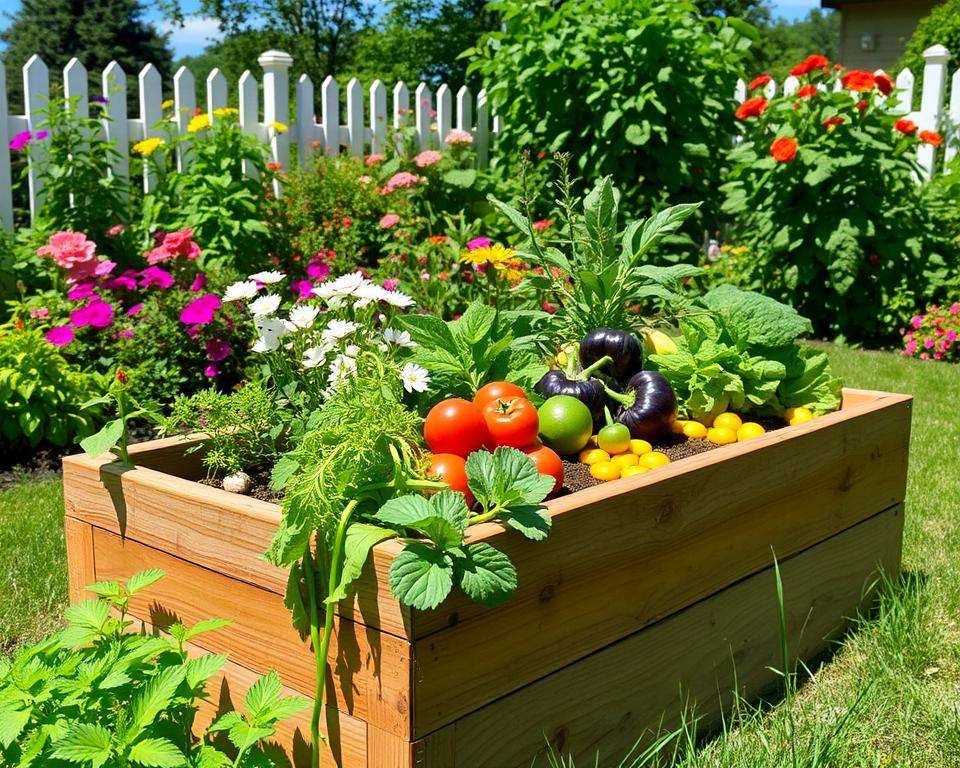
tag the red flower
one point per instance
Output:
(858, 80)
(121, 376)
(832, 122)
(812, 62)
(759, 82)
(751, 108)
(808, 91)
(784, 149)
(931, 137)
(884, 84)
(862, 105)
(906, 127)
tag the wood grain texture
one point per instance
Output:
(369, 671)
(80, 558)
(652, 546)
(605, 702)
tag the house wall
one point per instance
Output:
(890, 22)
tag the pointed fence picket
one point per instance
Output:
(362, 123)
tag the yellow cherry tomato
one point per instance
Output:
(640, 447)
(798, 415)
(625, 460)
(728, 421)
(605, 470)
(636, 469)
(654, 459)
(677, 425)
(593, 456)
(749, 431)
(721, 435)
(695, 430)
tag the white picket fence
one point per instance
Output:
(934, 111)
(433, 115)
(366, 127)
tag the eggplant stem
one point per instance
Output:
(605, 360)
(627, 400)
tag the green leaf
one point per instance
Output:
(105, 588)
(475, 323)
(460, 177)
(486, 574)
(285, 468)
(143, 579)
(88, 614)
(13, 719)
(157, 753)
(84, 743)
(752, 318)
(516, 479)
(202, 668)
(531, 520)
(360, 539)
(656, 228)
(404, 511)
(263, 695)
(421, 577)
(481, 477)
(439, 519)
(152, 699)
(101, 442)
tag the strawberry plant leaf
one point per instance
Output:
(442, 519)
(481, 477)
(516, 479)
(421, 577)
(360, 539)
(262, 695)
(531, 520)
(156, 753)
(486, 574)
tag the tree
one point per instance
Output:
(941, 27)
(784, 43)
(94, 31)
(756, 12)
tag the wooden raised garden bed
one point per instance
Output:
(651, 592)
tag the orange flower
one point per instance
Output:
(437, 239)
(812, 62)
(906, 127)
(931, 137)
(751, 108)
(808, 91)
(832, 122)
(858, 80)
(884, 84)
(784, 149)
(759, 82)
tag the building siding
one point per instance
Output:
(890, 22)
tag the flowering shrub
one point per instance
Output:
(933, 335)
(823, 194)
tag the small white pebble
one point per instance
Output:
(238, 482)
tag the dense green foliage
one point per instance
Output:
(783, 43)
(941, 27)
(635, 90)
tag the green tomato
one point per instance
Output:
(565, 424)
(614, 438)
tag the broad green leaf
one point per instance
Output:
(516, 479)
(88, 614)
(85, 743)
(263, 695)
(404, 510)
(157, 753)
(105, 588)
(481, 476)
(143, 579)
(360, 539)
(753, 318)
(152, 699)
(13, 719)
(101, 442)
(452, 507)
(202, 668)
(460, 177)
(486, 574)
(475, 323)
(531, 520)
(421, 577)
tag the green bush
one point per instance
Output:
(941, 27)
(823, 194)
(634, 89)
(41, 394)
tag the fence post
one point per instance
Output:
(444, 112)
(151, 113)
(184, 104)
(216, 92)
(6, 195)
(422, 110)
(115, 126)
(905, 92)
(249, 112)
(482, 133)
(464, 109)
(951, 150)
(931, 103)
(304, 119)
(36, 98)
(276, 103)
(355, 117)
(330, 115)
(378, 117)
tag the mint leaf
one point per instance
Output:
(475, 323)
(531, 520)
(157, 753)
(360, 539)
(427, 330)
(421, 577)
(486, 574)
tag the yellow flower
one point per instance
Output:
(226, 112)
(491, 254)
(167, 104)
(147, 147)
(198, 123)
(279, 127)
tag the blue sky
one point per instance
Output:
(194, 36)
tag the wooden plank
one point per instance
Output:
(115, 125)
(605, 702)
(151, 113)
(369, 671)
(652, 546)
(80, 560)
(386, 750)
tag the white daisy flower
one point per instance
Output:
(338, 329)
(313, 357)
(399, 338)
(268, 278)
(265, 305)
(367, 293)
(397, 299)
(345, 285)
(271, 326)
(414, 378)
(303, 315)
(243, 289)
(341, 369)
(352, 350)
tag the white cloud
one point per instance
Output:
(195, 34)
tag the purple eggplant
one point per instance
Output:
(588, 390)
(621, 346)
(648, 405)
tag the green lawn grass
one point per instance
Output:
(892, 689)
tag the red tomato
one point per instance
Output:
(511, 421)
(497, 390)
(548, 463)
(452, 469)
(455, 426)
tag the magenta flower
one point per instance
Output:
(126, 333)
(126, 281)
(391, 284)
(217, 350)
(211, 371)
(302, 288)
(916, 321)
(318, 270)
(20, 141)
(60, 335)
(155, 277)
(389, 220)
(135, 309)
(479, 242)
(104, 268)
(199, 282)
(97, 314)
(200, 311)
(41, 135)
(80, 291)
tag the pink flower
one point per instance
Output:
(73, 252)
(928, 343)
(174, 244)
(200, 311)
(80, 291)
(389, 220)
(916, 321)
(952, 335)
(217, 350)
(20, 141)
(126, 281)
(456, 137)
(924, 356)
(135, 309)
(40, 313)
(154, 276)
(542, 224)
(424, 275)
(97, 314)
(911, 347)
(401, 180)
(302, 288)
(211, 371)
(318, 270)
(194, 330)
(199, 282)
(125, 333)
(115, 230)
(60, 335)
(954, 309)
(372, 160)
(104, 268)
(391, 284)
(427, 158)
(479, 242)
